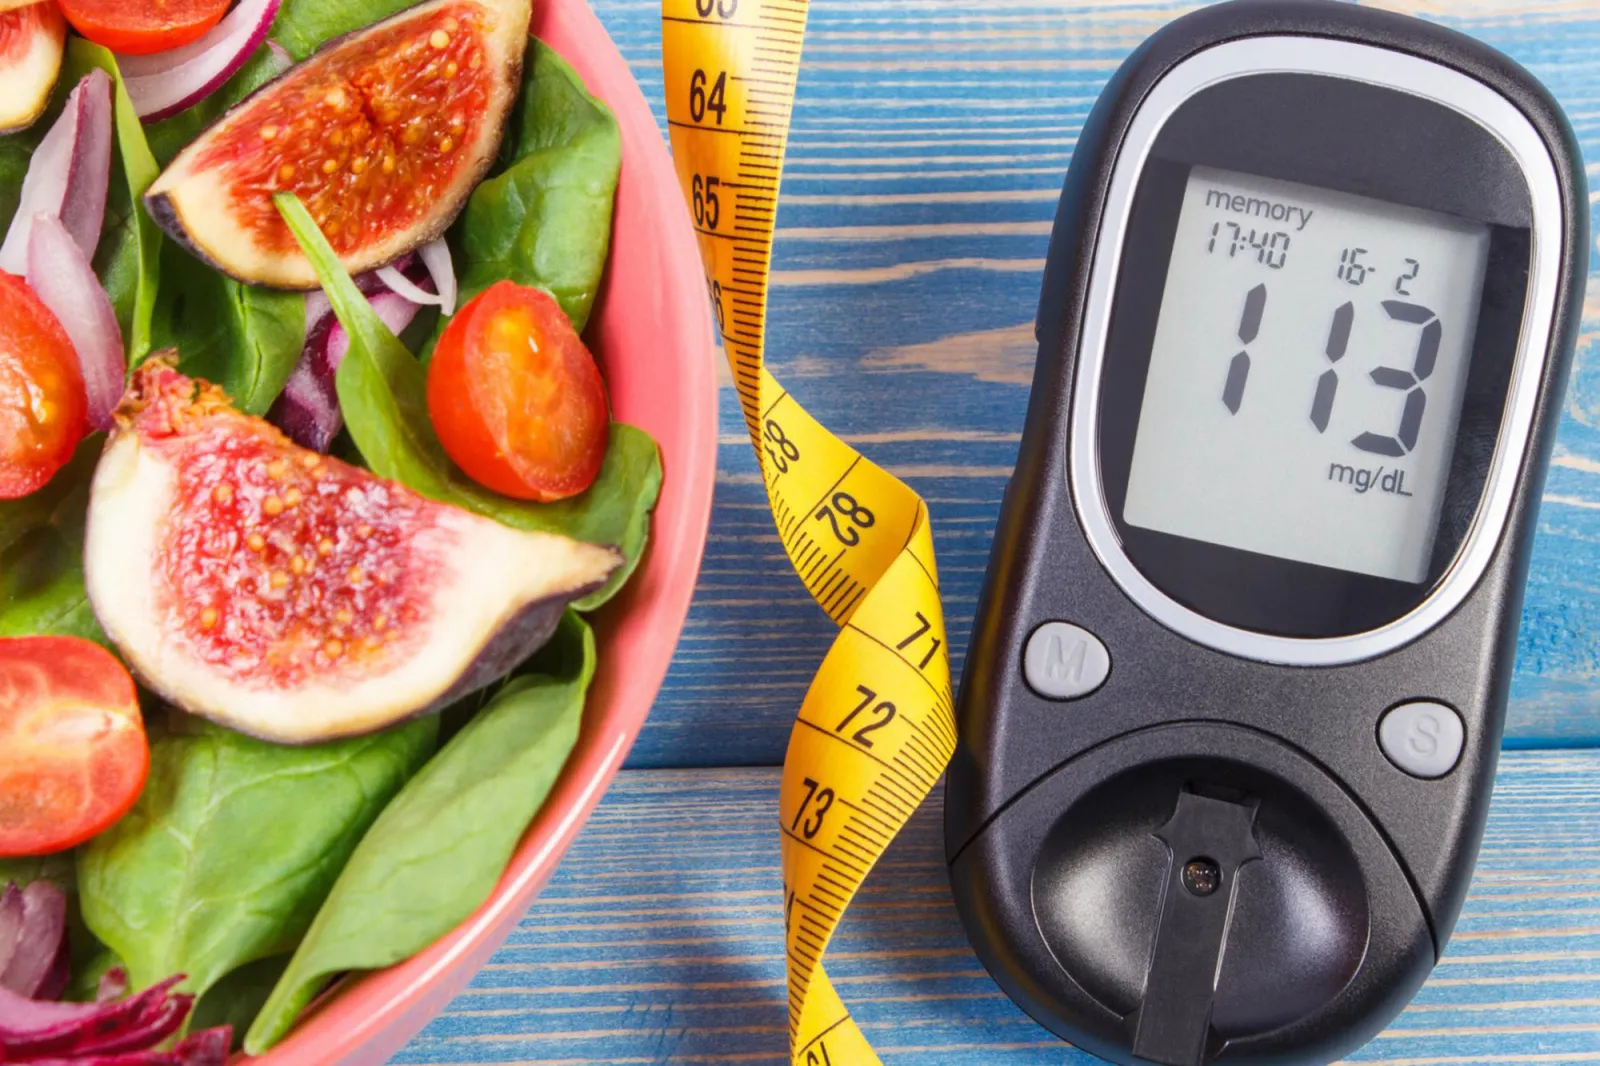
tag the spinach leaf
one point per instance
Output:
(243, 338)
(63, 499)
(16, 151)
(25, 871)
(382, 392)
(545, 220)
(616, 509)
(237, 998)
(84, 985)
(437, 850)
(303, 26)
(42, 589)
(130, 242)
(41, 555)
(233, 845)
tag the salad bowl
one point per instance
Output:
(651, 332)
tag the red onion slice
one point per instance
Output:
(318, 306)
(113, 985)
(109, 1032)
(435, 256)
(400, 285)
(281, 59)
(206, 1048)
(64, 280)
(167, 82)
(69, 174)
(37, 948)
(394, 310)
(35, 1028)
(10, 923)
(308, 408)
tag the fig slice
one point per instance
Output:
(382, 134)
(31, 43)
(294, 597)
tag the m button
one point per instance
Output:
(1063, 661)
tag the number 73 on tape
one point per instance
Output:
(876, 727)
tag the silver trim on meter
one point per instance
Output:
(1376, 66)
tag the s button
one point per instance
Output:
(1422, 738)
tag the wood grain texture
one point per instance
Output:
(930, 140)
(659, 940)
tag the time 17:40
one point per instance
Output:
(1271, 248)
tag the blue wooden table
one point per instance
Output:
(929, 145)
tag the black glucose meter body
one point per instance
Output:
(1230, 713)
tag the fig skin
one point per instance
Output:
(469, 598)
(516, 642)
(232, 250)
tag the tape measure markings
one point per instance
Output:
(876, 726)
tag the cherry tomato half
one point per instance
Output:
(140, 27)
(75, 751)
(43, 408)
(516, 398)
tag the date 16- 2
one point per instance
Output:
(1272, 249)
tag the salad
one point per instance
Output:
(308, 482)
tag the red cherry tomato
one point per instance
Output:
(43, 409)
(140, 27)
(516, 398)
(75, 751)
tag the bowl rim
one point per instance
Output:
(368, 1018)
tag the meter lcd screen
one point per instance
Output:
(1307, 374)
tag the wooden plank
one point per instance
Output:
(659, 940)
(930, 141)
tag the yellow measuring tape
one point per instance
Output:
(877, 725)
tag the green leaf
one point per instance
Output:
(243, 338)
(25, 871)
(234, 844)
(303, 26)
(237, 998)
(383, 394)
(63, 500)
(84, 985)
(41, 555)
(130, 242)
(16, 151)
(545, 220)
(438, 849)
(627, 489)
(42, 590)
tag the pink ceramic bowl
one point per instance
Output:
(652, 334)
